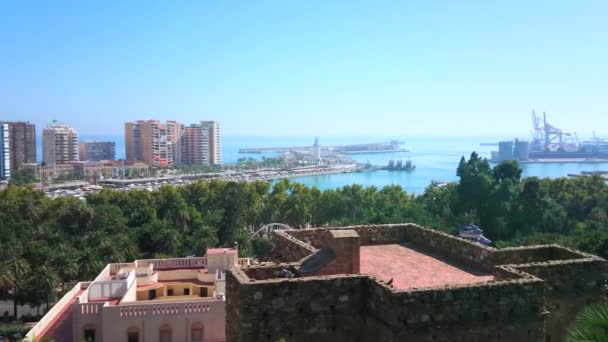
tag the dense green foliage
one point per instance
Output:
(47, 244)
(591, 325)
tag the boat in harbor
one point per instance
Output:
(399, 166)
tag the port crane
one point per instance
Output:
(546, 136)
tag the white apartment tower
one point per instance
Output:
(59, 144)
(214, 141)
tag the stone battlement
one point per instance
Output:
(490, 294)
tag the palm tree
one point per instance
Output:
(46, 279)
(591, 325)
(68, 272)
(183, 220)
(13, 274)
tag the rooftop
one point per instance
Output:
(409, 267)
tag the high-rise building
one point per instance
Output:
(5, 151)
(200, 144)
(97, 150)
(195, 146)
(215, 148)
(22, 143)
(154, 142)
(59, 144)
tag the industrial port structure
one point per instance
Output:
(550, 143)
(380, 147)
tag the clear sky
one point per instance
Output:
(307, 67)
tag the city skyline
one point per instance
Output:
(306, 69)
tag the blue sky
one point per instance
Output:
(307, 67)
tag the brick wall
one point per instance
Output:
(345, 245)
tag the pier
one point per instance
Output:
(380, 147)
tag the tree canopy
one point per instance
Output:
(54, 242)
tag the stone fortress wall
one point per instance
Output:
(535, 294)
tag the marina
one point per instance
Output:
(435, 159)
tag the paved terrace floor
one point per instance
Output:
(412, 268)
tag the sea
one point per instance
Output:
(435, 158)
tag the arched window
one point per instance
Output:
(133, 334)
(164, 333)
(197, 332)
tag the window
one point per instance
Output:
(89, 335)
(133, 335)
(169, 292)
(152, 294)
(164, 333)
(186, 292)
(203, 292)
(196, 332)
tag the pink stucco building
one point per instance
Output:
(147, 300)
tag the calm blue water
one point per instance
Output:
(435, 158)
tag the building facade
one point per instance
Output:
(161, 300)
(5, 152)
(200, 144)
(215, 142)
(59, 144)
(97, 150)
(22, 144)
(92, 171)
(153, 142)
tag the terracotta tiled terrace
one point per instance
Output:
(411, 268)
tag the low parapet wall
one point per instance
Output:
(449, 246)
(432, 314)
(538, 253)
(360, 308)
(570, 285)
(537, 292)
(443, 244)
(327, 308)
(268, 270)
(288, 248)
(369, 234)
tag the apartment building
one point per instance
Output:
(215, 143)
(201, 144)
(97, 150)
(59, 144)
(5, 152)
(153, 142)
(22, 143)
